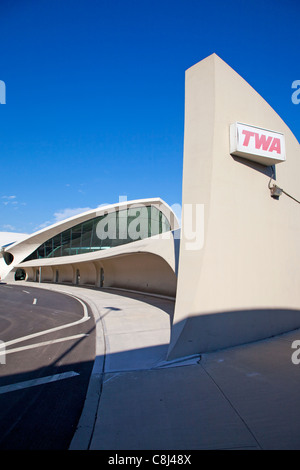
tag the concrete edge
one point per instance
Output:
(85, 426)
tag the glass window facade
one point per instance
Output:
(104, 232)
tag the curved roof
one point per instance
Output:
(48, 232)
(21, 249)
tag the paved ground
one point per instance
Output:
(45, 371)
(241, 398)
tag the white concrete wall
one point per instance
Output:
(243, 284)
(144, 272)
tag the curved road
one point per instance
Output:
(47, 355)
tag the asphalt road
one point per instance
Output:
(45, 365)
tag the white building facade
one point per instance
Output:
(126, 245)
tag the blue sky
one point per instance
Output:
(95, 94)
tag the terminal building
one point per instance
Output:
(240, 173)
(126, 245)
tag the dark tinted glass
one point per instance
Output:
(104, 232)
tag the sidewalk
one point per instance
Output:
(245, 397)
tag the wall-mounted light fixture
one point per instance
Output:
(276, 192)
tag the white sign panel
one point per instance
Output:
(260, 145)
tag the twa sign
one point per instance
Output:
(260, 145)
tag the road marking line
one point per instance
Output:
(113, 377)
(38, 345)
(26, 291)
(57, 328)
(34, 382)
(34, 301)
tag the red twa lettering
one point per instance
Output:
(247, 134)
(262, 141)
(275, 147)
(272, 144)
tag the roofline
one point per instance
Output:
(100, 210)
